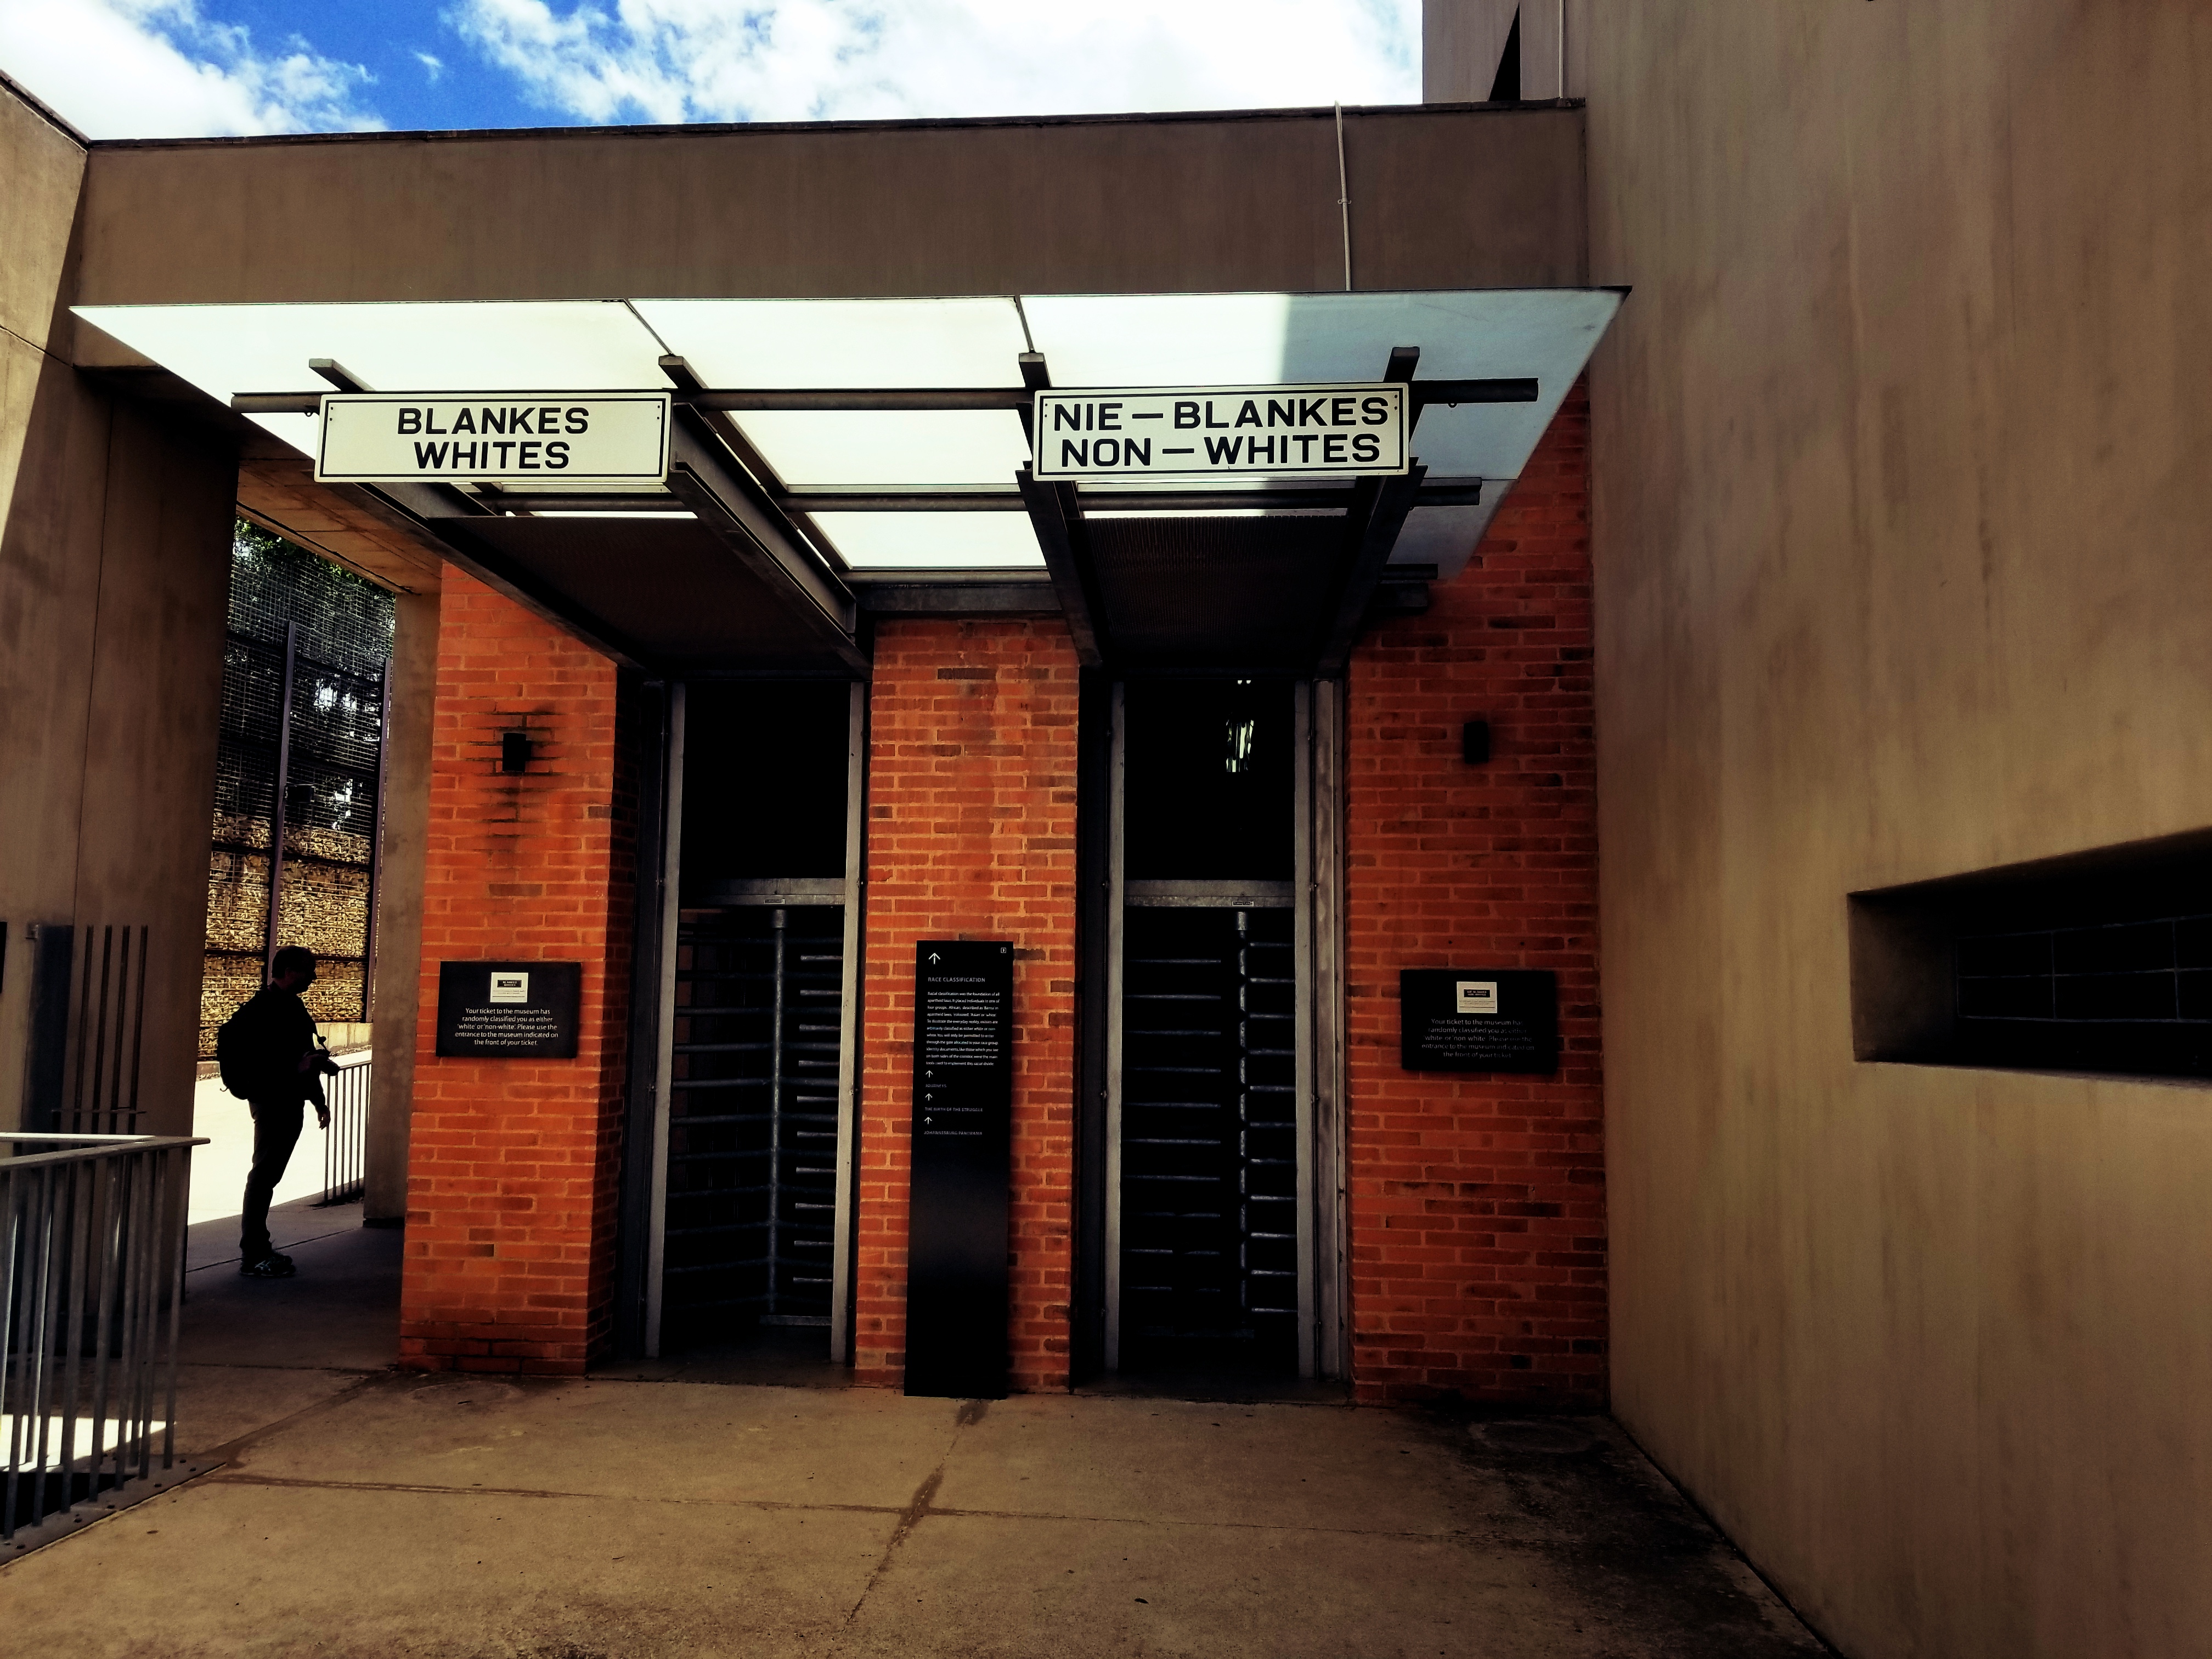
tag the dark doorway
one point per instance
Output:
(1206, 1041)
(758, 1041)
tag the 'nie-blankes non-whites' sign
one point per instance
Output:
(495, 437)
(1275, 431)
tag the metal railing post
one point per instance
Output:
(91, 1270)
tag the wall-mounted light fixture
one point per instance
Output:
(1475, 742)
(514, 752)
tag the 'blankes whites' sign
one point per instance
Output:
(504, 437)
(1272, 431)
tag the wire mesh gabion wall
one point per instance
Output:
(306, 635)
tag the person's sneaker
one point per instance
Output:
(271, 1266)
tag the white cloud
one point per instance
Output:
(433, 67)
(157, 69)
(782, 60)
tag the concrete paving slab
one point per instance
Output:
(217, 1403)
(706, 1444)
(225, 1567)
(993, 1587)
(476, 1517)
(1165, 1459)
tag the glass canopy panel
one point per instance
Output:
(581, 345)
(844, 344)
(1446, 537)
(1230, 339)
(890, 449)
(932, 541)
(1100, 339)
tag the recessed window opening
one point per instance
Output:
(2101, 963)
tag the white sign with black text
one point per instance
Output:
(1270, 431)
(558, 438)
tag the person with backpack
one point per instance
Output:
(268, 1055)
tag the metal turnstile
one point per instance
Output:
(1221, 1177)
(1209, 1125)
(752, 1126)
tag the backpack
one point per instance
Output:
(234, 1059)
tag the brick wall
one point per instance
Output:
(511, 1177)
(1477, 1203)
(971, 835)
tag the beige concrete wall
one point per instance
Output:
(114, 539)
(43, 568)
(405, 829)
(1903, 453)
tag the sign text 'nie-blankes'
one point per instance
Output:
(521, 437)
(1218, 431)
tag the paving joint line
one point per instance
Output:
(215, 1457)
(911, 1514)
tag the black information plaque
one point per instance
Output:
(508, 1009)
(964, 1109)
(1479, 1019)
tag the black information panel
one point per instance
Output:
(1479, 1019)
(964, 1108)
(508, 1009)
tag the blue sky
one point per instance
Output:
(390, 39)
(184, 68)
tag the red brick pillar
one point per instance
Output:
(971, 835)
(512, 1166)
(1477, 1202)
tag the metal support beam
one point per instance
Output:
(1374, 532)
(1035, 378)
(1327, 498)
(926, 595)
(1372, 524)
(331, 369)
(739, 514)
(1057, 515)
(715, 472)
(1012, 398)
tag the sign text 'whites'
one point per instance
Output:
(505, 437)
(1212, 431)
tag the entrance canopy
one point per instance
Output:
(837, 459)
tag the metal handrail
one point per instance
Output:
(92, 1259)
(345, 1144)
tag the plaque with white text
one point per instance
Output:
(508, 1009)
(956, 1287)
(1479, 1019)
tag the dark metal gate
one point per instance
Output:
(299, 775)
(1209, 1126)
(752, 1150)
